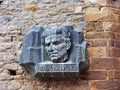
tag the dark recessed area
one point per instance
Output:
(1, 1)
(12, 72)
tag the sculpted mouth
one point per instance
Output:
(53, 55)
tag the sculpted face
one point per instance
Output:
(56, 47)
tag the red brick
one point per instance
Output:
(66, 85)
(110, 43)
(105, 14)
(113, 52)
(93, 75)
(117, 74)
(117, 43)
(93, 26)
(102, 64)
(115, 28)
(103, 85)
(111, 74)
(99, 35)
(117, 35)
(97, 52)
(114, 43)
(114, 74)
(97, 43)
(111, 26)
(117, 64)
(118, 84)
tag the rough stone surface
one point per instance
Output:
(5, 76)
(98, 52)
(13, 66)
(7, 57)
(110, 3)
(14, 85)
(103, 85)
(96, 14)
(102, 64)
(102, 34)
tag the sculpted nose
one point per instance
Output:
(50, 48)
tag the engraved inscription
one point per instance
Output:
(57, 67)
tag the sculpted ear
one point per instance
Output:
(68, 45)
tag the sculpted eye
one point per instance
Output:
(47, 44)
(56, 43)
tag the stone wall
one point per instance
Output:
(103, 36)
(102, 32)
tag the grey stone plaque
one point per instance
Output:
(54, 53)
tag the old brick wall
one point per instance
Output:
(102, 33)
(103, 36)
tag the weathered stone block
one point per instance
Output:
(113, 52)
(110, 3)
(5, 76)
(100, 35)
(98, 42)
(117, 36)
(13, 66)
(102, 64)
(103, 14)
(103, 85)
(14, 85)
(111, 26)
(117, 64)
(111, 74)
(94, 75)
(118, 84)
(97, 52)
(7, 57)
(94, 26)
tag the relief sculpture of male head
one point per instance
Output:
(54, 53)
(57, 43)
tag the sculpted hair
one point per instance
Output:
(62, 30)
